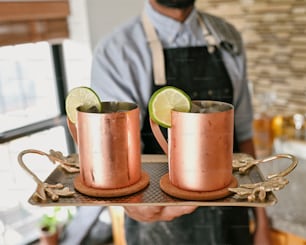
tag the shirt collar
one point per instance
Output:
(168, 28)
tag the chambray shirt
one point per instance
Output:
(122, 62)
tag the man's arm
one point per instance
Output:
(262, 232)
(262, 235)
(247, 147)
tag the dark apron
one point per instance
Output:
(203, 76)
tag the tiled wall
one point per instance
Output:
(274, 32)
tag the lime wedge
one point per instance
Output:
(166, 99)
(81, 97)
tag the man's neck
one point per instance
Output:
(174, 13)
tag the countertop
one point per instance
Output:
(289, 214)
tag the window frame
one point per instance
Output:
(57, 56)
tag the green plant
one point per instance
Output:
(52, 222)
(49, 222)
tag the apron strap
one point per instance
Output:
(156, 51)
(210, 39)
(156, 47)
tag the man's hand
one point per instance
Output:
(157, 213)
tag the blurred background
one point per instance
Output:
(46, 49)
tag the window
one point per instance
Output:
(37, 66)
(28, 92)
(31, 116)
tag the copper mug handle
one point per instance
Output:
(72, 129)
(159, 136)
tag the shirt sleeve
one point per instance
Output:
(243, 102)
(236, 65)
(108, 72)
(121, 67)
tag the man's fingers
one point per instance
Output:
(172, 212)
(157, 213)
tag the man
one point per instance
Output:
(172, 43)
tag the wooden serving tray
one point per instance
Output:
(156, 166)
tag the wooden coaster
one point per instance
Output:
(172, 190)
(97, 192)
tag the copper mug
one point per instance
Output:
(109, 145)
(200, 146)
